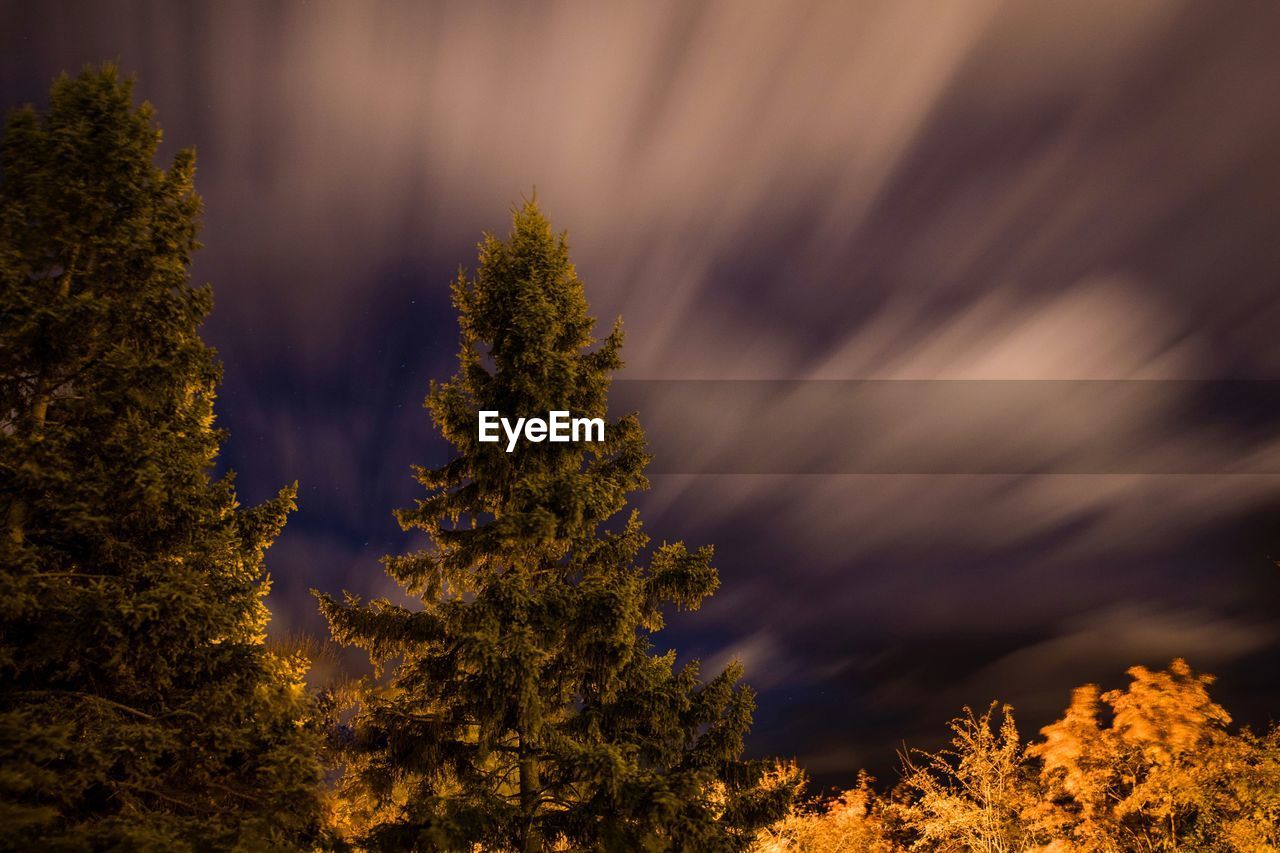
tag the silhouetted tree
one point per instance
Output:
(528, 708)
(139, 707)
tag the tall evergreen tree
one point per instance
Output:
(139, 706)
(528, 708)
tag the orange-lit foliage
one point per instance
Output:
(853, 822)
(1159, 770)
(980, 794)
(1150, 767)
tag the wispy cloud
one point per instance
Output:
(979, 190)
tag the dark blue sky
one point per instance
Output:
(889, 190)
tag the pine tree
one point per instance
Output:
(139, 706)
(528, 708)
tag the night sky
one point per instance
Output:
(792, 191)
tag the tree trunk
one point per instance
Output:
(531, 841)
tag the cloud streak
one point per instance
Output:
(880, 190)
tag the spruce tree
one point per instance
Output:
(528, 708)
(139, 706)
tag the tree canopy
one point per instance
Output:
(139, 705)
(528, 706)
(1151, 767)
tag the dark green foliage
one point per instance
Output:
(139, 707)
(527, 708)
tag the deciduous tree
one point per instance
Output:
(977, 795)
(1155, 767)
